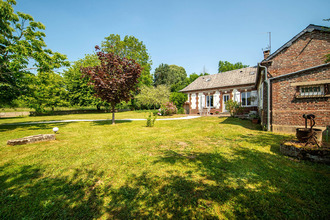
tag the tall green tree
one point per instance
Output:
(21, 46)
(171, 75)
(225, 66)
(161, 74)
(46, 89)
(81, 93)
(131, 48)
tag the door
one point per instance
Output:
(225, 98)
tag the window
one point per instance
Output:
(209, 101)
(306, 91)
(246, 99)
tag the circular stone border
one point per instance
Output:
(298, 150)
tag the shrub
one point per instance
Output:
(233, 107)
(178, 99)
(217, 112)
(181, 111)
(168, 109)
(151, 120)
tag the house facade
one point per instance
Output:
(209, 93)
(294, 80)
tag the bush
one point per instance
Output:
(168, 109)
(178, 99)
(181, 111)
(151, 120)
(233, 107)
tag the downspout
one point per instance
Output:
(267, 81)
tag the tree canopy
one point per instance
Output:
(21, 46)
(115, 79)
(225, 66)
(131, 48)
(153, 96)
(81, 93)
(171, 75)
(46, 89)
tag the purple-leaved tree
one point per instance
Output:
(115, 79)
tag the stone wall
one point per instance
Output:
(32, 139)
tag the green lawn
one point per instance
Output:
(205, 168)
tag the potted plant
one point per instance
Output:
(254, 118)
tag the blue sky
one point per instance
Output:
(193, 34)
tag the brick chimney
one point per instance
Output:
(266, 53)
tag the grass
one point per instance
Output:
(205, 168)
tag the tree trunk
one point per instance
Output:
(113, 115)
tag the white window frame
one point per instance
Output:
(244, 95)
(209, 98)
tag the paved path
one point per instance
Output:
(82, 120)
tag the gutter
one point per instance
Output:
(267, 81)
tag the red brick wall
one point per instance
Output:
(307, 51)
(288, 110)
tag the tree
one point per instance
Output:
(115, 79)
(177, 77)
(131, 48)
(161, 74)
(171, 75)
(21, 45)
(178, 99)
(153, 96)
(46, 89)
(81, 93)
(225, 66)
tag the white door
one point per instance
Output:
(225, 98)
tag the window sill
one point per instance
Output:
(311, 96)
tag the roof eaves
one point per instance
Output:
(217, 87)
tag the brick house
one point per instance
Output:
(208, 94)
(294, 80)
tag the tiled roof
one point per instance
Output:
(230, 78)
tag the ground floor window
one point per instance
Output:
(209, 101)
(246, 99)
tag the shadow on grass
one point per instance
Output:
(109, 122)
(266, 139)
(247, 184)
(240, 122)
(257, 184)
(41, 126)
(26, 192)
